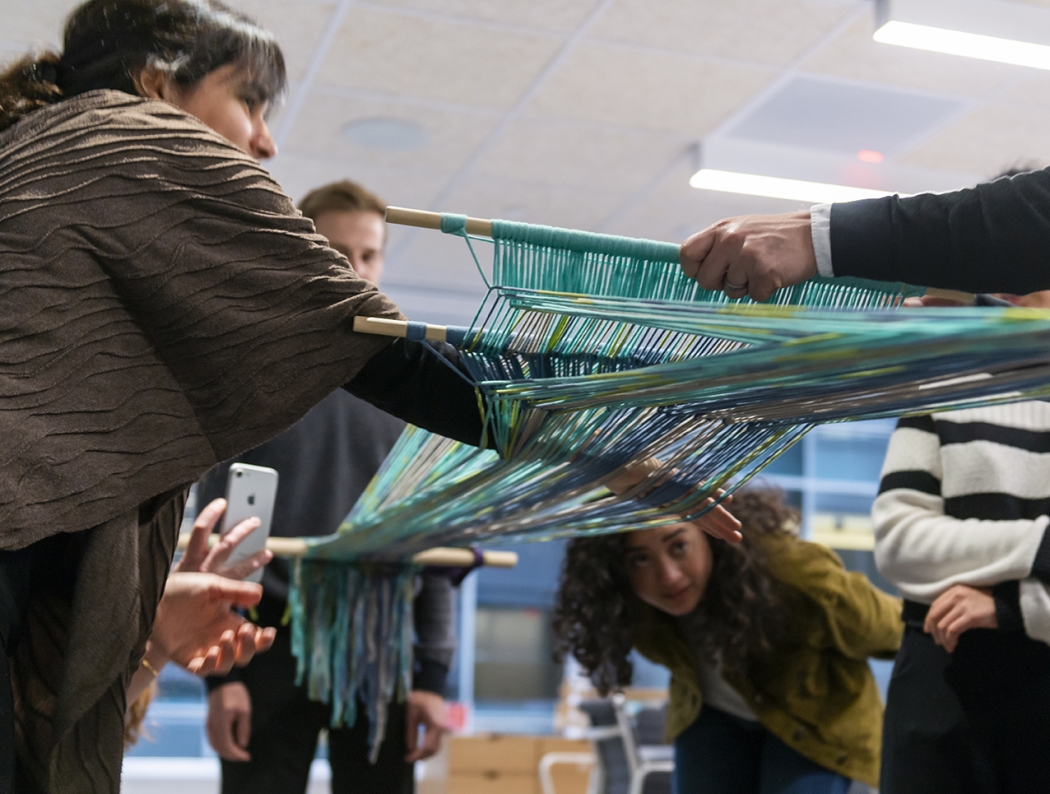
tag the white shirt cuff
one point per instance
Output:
(820, 226)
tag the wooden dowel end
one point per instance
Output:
(965, 298)
(380, 326)
(424, 219)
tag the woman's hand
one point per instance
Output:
(198, 557)
(197, 628)
(752, 255)
(720, 523)
(716, 522)
(958, 609)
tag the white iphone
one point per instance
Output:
(250, 491)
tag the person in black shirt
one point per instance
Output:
(263, 727)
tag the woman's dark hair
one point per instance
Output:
(738, 621)
(107, 42)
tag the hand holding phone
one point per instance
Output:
(250, 492)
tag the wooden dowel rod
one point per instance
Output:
(461, 558)
(965, 298)
(432, 220)
(440, 556)
(383, 327)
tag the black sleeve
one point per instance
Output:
(434, 615)
(213, 682)
(1007, 597)
(990, 238)
(413, 382)
(1041, 563)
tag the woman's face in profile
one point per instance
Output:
(227, 101)
(669, 567)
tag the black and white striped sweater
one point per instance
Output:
(965, 499)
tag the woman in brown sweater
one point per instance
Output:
(164, 308)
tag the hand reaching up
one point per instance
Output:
(197, 628)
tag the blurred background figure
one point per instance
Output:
(265, 728)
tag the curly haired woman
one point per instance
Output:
(767, 642)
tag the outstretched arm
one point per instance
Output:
(989, 238)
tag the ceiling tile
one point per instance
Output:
(1033, 89)
(673, 210)
(843, 117)
(298, 27)
(767, 31)
(653, 91)
(989, 141)
(581, 154)
(451, 136)
(10, 52)
(520, 200)
(35, 23)
(435, 59)
(401, 187)
(560, 16)
(854, 54)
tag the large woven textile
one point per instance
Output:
(594, 356)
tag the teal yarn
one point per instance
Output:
(352, 638)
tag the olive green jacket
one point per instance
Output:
(815, 692)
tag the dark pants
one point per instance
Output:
(976, 721)
(285, 727)
(723, 754)
(23, 573)
(15, 571)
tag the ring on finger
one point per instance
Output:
(734, 287)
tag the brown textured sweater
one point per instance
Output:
(163, 307)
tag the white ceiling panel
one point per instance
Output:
(673, 210)
(530, 202)
(401, 187)
(649, 90)
(299, 27)
(854, 54)
(34, 23)
(450, 136)
(581, 154)
(843, 117)
(434, 58)
(1034, 89)
(560, 16)
(989, 141)
(765, 31)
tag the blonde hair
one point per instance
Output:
(343, 196)
(136, 715)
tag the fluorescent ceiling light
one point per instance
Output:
(775, 187)
(957, 42)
